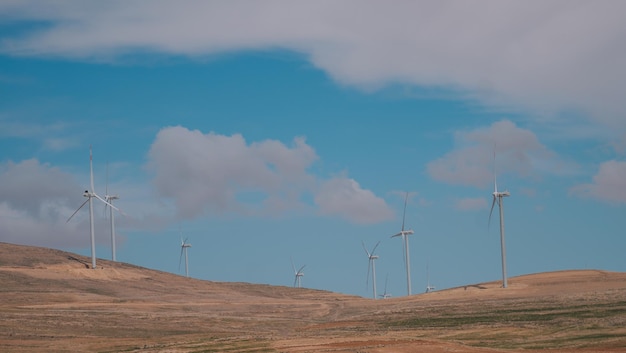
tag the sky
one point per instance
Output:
(266, 132)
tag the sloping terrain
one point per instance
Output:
(51, 301)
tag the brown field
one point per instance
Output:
(50, 302)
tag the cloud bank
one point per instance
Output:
(547, 57)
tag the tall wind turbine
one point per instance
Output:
(90, 195)
(184, 245)
(298, 275)
(497, 197)
(404, 234)
(109, 199)
(372, 264)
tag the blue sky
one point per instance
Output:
(265, 131)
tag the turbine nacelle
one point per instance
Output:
(501, 194)
(403, 233)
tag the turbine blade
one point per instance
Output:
(375, 246)
(406, 197)
(106, 184)
(292, 266)
(367, 278)
(491, 212)
(109, 204)
(300, 270)
(364, 248)
(295, 280)
(91, 169)
(180, 258)
(78, 209)
(495, 181)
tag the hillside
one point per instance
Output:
(51, 301)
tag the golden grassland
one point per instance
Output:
(50, 301)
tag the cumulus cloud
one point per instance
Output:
(547, 57)
(210, 171)
(225, 174)
(344, 197)
(609, 184)
(35, 201)
(518, 151)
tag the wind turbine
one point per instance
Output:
(90, 195)
(109, 199)
(385, 295)
(298, 275)
(429, 288)
(184, 245)
(404, 234)
(497, 197)
(372, 264)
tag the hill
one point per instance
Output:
(51, 301)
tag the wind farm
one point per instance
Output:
(480, 166)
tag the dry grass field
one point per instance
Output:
(51, 302)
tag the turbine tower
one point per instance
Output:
(404, 234)
(497, 197)
(372, 264)
(90, 195)
(184, 245)
(109, 199)
(298, 275)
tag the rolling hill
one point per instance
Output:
(51, 301)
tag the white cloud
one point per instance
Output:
(471, 204)
(344, 197)
(209, 171)
(36, 200)
(518, 151)
(609, 184)
(549, 56)
(224, 174)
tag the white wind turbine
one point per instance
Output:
(90, 195)
(404, 234)
(385, 295)
(497, 197)
(109, 199)
(372, 264)
(429, 288)
(184, 245)
(298, 275)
